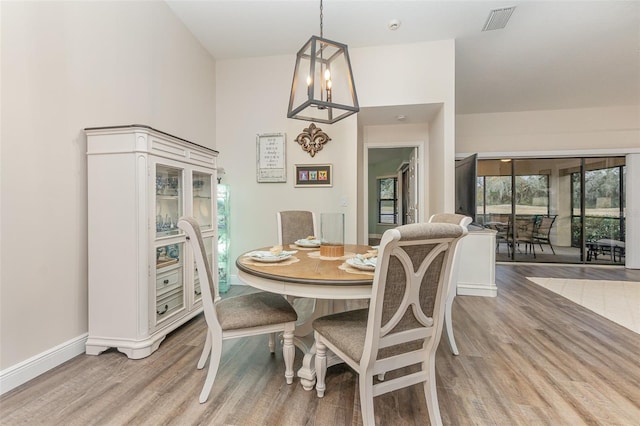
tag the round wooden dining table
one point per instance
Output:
(324, 282)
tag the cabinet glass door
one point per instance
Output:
(169, 280)
(202, 199)
(169, 184)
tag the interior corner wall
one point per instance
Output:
(361, 184)
(441, 161)
(67, 66)
(632, 213)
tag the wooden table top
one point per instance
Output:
(309, 269)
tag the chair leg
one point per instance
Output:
(214, 363)
(448, 322)
(430, 392)
(288, 352)
(366, 399)
(321, 366)
(205, 351)
(552, 250)
(272, 343)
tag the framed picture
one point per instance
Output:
(313, 175)
(271, 159)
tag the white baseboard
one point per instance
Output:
(234, 280)
(31, 368)
(477, 289)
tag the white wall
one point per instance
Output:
(252, 97)
(554, 130)
(416, 74)
(67, 66)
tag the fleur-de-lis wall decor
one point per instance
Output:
(312, 139)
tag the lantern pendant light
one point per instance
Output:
(323, 89)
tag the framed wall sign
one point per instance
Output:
(271, 159)
(313, 175)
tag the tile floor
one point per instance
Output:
(618, 301)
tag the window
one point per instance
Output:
(388, 200)
(532, 194)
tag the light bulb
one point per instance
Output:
(328, 84)
(327, 74)
(308, 80)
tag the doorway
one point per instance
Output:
(401, 163)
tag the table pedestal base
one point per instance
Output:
(303, 336)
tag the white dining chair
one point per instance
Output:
(403, 324)
(241, 316)
(462, 220)
(294, 225)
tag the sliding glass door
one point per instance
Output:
(602, 233)
(554, 210)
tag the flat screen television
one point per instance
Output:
(466, 177)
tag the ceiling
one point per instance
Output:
(550, 55)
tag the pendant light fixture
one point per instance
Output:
(323, 89)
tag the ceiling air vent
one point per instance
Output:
(498, 18)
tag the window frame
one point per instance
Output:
(395, 200)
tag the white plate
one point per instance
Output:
(270, 259)
(359, 264)
(308, 243)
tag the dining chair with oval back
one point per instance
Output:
(241, 316)
(403, 324)
(465, 221)
(294, 225)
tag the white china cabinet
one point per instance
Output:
(142, 278)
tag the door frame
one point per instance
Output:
(421, 158)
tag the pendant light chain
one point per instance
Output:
(321, 16)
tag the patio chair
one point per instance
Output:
(543, 231)
(524, 234)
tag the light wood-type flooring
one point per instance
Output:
(527, 357)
